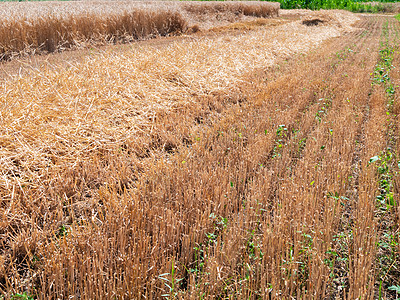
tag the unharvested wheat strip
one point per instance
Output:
(15, 10)
(51, 31)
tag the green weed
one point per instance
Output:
(23, 296)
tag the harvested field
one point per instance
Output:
(55, 26)
(257, 160)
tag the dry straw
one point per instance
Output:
(134, 169)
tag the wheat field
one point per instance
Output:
(55, 26)
(256, 159)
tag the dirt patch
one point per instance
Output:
(320, 18)
(334, 18)
(313, 22)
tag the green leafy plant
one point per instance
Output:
(395, 288)
(281, 134)
(23, 296)
(386, 196)
(172, 283)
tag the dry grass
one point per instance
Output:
(213, 166)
